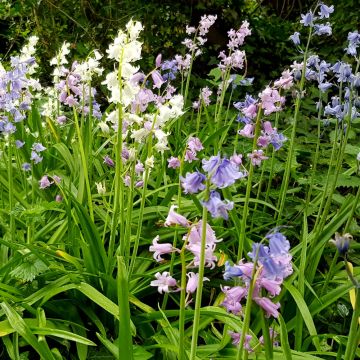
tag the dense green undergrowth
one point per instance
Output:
(205, 228)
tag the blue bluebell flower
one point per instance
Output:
(232, 271)
(218, 207)
(308, 19)
(322, 29)
(295, 38)
(193, 182)
(342, 242)
(225, 174)
(325, 11)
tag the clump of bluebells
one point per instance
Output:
(191, 243)
(269, 267)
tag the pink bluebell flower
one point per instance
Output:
(236, 340)
(44, 182)
(193, 282)
(173, 162)
(163, 282)
(160, 249)
(174, 218)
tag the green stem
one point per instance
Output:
(248, 193)
(182, 305)
(11, 191)
(268, 341)
(286, 178)
(196, 321)
(84, 165)
(139, 227)
(118, 215)
(246, 323)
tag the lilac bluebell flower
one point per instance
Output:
(270, 308)
(194, 144)
(26, 166)
(38, 147)
(160, 249)
(236, 340)
(322, 29)
(325, 86)
(325, 11)
(173, 162)
(247, 131)
(193, 282)
(35, 157)
(256, 157)
(217, 207)
(308, 19)
(354, 41)
(174, 218)
(44, 182)
(108, 161)
(233, 297)
(210, 165)
(190, 156)
(19, 144)
(157, 79)
(193, 182)
(295, 38)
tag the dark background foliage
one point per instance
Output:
(89, 24)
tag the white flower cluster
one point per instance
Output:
(28, 51)
(125, 49)
(89, 67)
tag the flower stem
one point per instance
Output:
(196, 321)
(248, 193)
(11, 191)
(286, 178)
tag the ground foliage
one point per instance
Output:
(82, 203)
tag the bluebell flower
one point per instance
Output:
(226, 174)
(308, 19)
(278, 244)
(325, 11)
(38, 147)
(258, 251)
(354, 41)
(356, 80)
(193, 182)
(325, 86)
(9, 128)
(342, 242)
(295, 38)
(211, 164)
(334, 111)
(26, 166)
(218, 207)
(231, 271)
(249, 100)
(35, 157)
(313, 61)
(322, 29)
(19, 144)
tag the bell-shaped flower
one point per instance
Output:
(174, 218)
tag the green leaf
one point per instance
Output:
(305, 312)
(19, 325)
